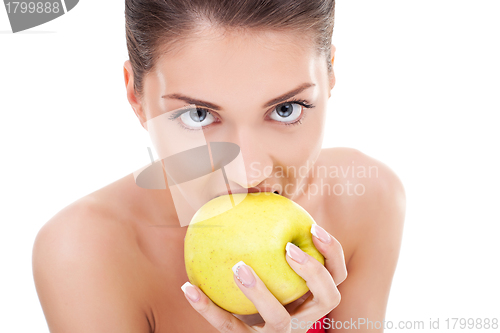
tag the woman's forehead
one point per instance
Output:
(253, 61)
(206, 35)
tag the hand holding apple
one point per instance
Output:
(249, 289)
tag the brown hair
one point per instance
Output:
(153, 25)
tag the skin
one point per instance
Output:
(113, 260)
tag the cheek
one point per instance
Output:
(313, 131)
(303, 146)
(316, 126)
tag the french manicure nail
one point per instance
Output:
(191, 292)
(321, 234)
(244, 274)
(296, 253)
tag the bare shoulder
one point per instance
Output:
(84, 227)
(84, 267)
(366, 199)
(349, 164)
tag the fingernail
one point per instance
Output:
(295, 253)
(191, 292)
(244, 274)
(321, 234)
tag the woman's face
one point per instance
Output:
(266, 92)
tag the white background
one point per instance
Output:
(417, 88)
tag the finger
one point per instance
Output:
(318, 279)
(272, 311)
(333, 252)
(290, 307)
(222, 320)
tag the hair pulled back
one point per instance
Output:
(152, 26)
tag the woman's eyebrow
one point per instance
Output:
(213, 106)
(289, 94)
(194, 101)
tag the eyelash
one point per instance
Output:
(301, 102)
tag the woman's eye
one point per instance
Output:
(286, 112)
(197, 118)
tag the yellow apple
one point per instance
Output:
(255, 231)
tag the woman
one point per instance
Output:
(257, 74)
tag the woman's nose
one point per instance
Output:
(254, 163)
